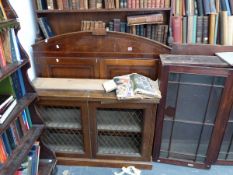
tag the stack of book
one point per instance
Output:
(99, 4)
(203, 21)
(7, 104)
(31, 163)
(12, 137)
(133, 86)
(92, 25)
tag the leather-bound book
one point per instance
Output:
(223, 27)
(207, 7)
(199, 29)
(212, 18)
(99, 4)
(217, 4)
(189, 6)
(177, 7)
(137, 3)
(145, 19)
(91, 4)
(133, 4)
(162, 3)
(149, 3)
(50, 5)
(231, 6)
(165, 34)
(230, 31)
(141, 4)
(148, 31)
(194, 33)
(200, 7)
(190, 29)
(81, 6)
(177, 29)
(167, 3)
(216, 32)
(86, 4)
(145, 3)
(60, 5)
(129, 3)
(157, 3)
(205, 33)
(184, 29)
(116, 25)
(153, 33)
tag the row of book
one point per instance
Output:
(201, 7)
(212, 29)
(12, 136)
(152, 31)
(99, 4)
(31, 163)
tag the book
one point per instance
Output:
(226, 56)
(177, 29)
(212, 20)
(145, 19)
(136, 86)
(200, 8)
(199, 29)
(223, 27)
(45, 27)
(205, 32)
(5, 114)
(5, 99)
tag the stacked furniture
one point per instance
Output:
(20, 152)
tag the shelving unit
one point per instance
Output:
(24, 145)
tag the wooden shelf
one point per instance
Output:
(21, 150)
(102, 10)
(11, 68)
(11, 23)
(21, 104)
(46, 166)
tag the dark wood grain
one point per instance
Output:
(46, 166)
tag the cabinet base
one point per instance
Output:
(103, 163)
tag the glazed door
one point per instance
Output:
(188, 114)
(120, 131)
(67, 128)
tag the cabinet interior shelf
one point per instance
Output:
(11, 68)
(46, 166)
(57, 125)
(22, 150)
(21, 104)
(103, 10)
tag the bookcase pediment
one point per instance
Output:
(111, 43)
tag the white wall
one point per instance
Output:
(27, 33)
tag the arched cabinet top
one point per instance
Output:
(111, 44)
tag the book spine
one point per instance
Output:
(199, 29)
(2, 56)
(184, 30)
(116, 23)
(200, 7)
(207, 7)
(212, 19)
(6, 143)
(194, 33)
(162, 3)
(2, 152)
(60, 5)
(228, 7)
(117, 3)
(177, 29)
(205, 32)
(216, 29)
(230, 31)
(212, 6)
(167, 3)
(223, 21)
(137, 4)
(231, 5)
(39, 5)
(157, 3)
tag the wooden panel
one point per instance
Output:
(115, 67)
(67, 67)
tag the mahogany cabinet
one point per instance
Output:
(193, 113)
(86, 130)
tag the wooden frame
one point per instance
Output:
(222, 114)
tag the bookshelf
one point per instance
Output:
(23, 123)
